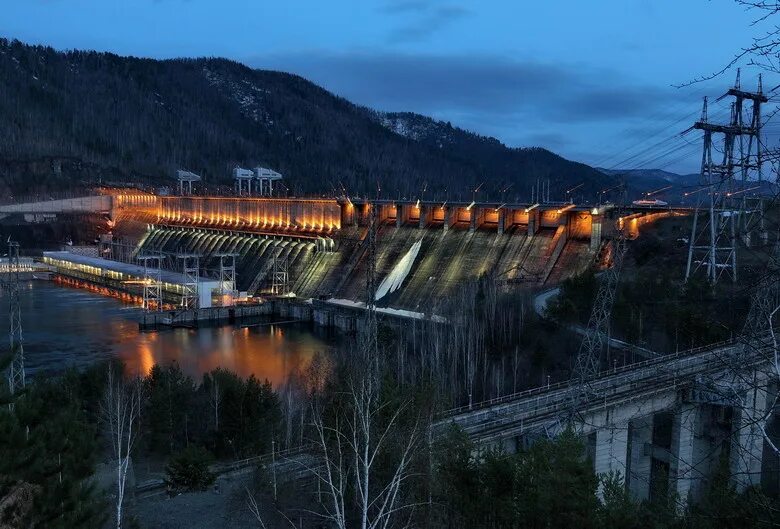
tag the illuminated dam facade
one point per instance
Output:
(294, 216)
(430, 248)
(317, 248)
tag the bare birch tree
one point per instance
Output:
(215, 398)
(351, 439)
(350, 448)
(121, 411)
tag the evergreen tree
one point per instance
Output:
(47, 448)
(169, 394)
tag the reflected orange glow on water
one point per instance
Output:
(265, 351)
(69, 327)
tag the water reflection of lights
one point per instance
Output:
(145, 357)
(78, 327)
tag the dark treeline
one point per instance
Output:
(230, 416)
(49, 445)
(655, 308)
(492, 343)
(378, 461)
(552, 485)
(61, 427)
(73, 117)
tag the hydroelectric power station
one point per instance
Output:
(308, 250)
(192, 258)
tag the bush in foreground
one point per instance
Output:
(188, 470)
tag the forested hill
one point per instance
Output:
(80, 116)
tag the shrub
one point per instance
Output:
(188, 470)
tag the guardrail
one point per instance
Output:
(543, 412)
(156, 486)
(607, 374)
(488, 423)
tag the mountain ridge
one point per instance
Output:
(81, 117)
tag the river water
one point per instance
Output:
(64, 327)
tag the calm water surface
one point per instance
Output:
(65, 326)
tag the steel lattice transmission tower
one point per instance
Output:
(16, 377)
(280, 276)
(227, 275)
(722, 213)
(588, 361)
(152, 291)
(191, 270)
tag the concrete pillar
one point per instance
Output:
(348, 216)
(399, 215)
(640, 449)
(533, 222)
(502, 214)
(682, 466)
(473, 219)
(595, 233)
(611, 453)
(383, 213)
(447, 217)
(423, 216)
(747, 441)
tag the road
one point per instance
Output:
(540, 307)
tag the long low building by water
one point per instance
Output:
(130, 277)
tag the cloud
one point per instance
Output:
(405, 6)
(485, 85)
(569, 108)
(420, 19)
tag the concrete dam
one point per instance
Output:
(426, 249)
(317, 248)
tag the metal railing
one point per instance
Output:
(607, 374)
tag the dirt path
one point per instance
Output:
(199, 510)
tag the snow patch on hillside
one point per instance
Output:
(246, 94)
(415, 127)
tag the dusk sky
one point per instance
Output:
(589, 80)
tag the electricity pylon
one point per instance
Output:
(713, 242)
(16, 378)
(280, 276)
(588, 359)
(152, 285)
(227, 276)
(190, 298)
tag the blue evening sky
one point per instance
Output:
(591, 80)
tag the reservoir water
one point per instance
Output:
(68, 327)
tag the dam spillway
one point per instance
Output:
(255, 254)
(425, 250)
(335, 266)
